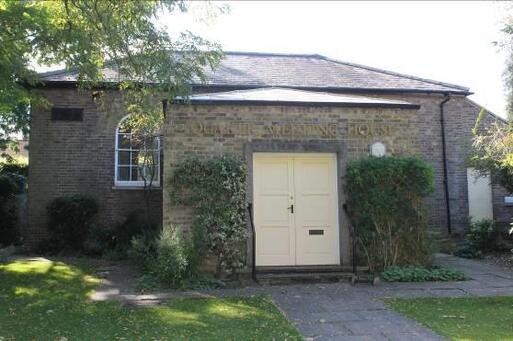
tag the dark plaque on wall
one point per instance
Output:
(67, 114)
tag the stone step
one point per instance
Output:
(308, 269)
(280, 278)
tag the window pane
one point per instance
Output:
(123, 141)
(123, 158)
(135, 174)
(147, 158)
(150, 174)
(135, 158)
(124, 127)
(123, 173)
(137, 143)
(154, 144)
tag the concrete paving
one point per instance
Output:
(340, 311)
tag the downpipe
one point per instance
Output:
(444, 157)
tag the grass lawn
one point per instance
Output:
(462, 318)
(45, 300)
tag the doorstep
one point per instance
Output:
(278, 275)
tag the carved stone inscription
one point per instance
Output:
(289, 130)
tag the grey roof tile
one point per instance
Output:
(245, 70)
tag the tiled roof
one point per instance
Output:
(249, 70)
(289, 96)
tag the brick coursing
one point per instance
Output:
(78, 157)
(183, 139)
(460, 117)
(72, 157)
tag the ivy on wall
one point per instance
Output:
(385, 197)
(216, 189)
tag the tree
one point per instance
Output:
(146, 135)
(493, 151)
(88, 35)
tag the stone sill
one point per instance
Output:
(134, 188)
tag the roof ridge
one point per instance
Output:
(270, 54)
(393, 73)
(55, 72)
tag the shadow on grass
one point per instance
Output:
(48, 300)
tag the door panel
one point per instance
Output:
(479, 195)
(275, 236)
(316, 210)
(308, 235)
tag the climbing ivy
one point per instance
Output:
(216, 189)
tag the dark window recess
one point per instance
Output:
(315, 232)
(67, 114)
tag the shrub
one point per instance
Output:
(17, 170)
(69, 220)
(165, 258)
(421, 274)
(116, 239)
(14, 167)
(171, 261)
(99, 240)
(143, 251)
(485, 236)
(385, 198)
(216, 189)
(8, 229)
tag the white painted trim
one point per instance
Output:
(132, 184)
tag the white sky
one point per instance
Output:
(444, 41)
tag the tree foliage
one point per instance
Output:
(88, 36)
(385, 197)
(216, 189)
(492, 151)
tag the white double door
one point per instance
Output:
(296, 215)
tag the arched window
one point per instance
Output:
(137, 156)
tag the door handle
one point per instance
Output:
(291, 208)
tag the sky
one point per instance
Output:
(444, 41)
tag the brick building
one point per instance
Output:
(294, 118)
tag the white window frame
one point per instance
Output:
(133, 183)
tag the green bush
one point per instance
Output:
(116, 239)
(14, 167)
(216, 189)
(422, 274)
(171, 261)
(18, 172)
(485, 236)
(143, 251)
(99, 240)
(9, 233)
(166, 258)
(70, 219)
(385, 197)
